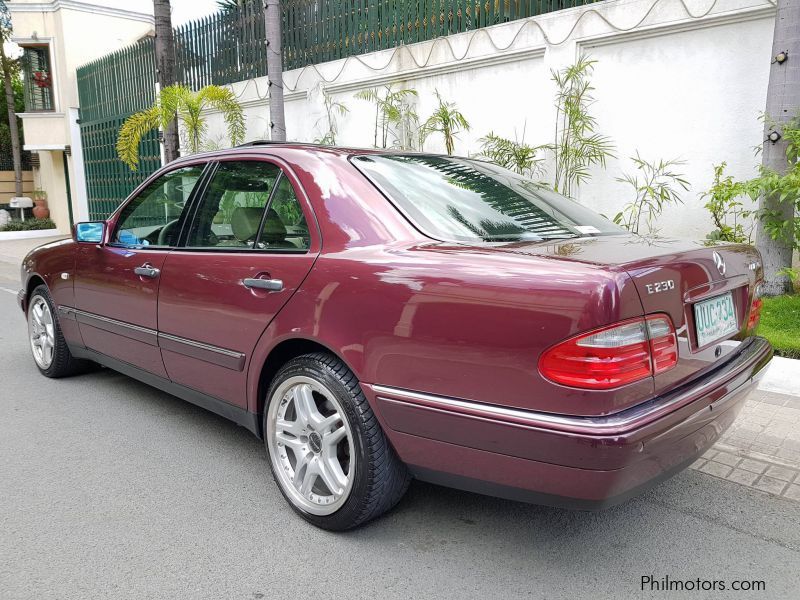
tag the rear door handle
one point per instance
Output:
(146, 271)
(271, 285)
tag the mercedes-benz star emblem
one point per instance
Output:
(720, 263)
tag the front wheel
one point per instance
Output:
(50, 351)
(328, 454)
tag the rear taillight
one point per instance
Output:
(755, 309)
(613, 356)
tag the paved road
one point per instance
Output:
(110, 489)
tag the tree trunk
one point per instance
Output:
(272, 21)
(16, 150)
(166, 69)
(783, 101)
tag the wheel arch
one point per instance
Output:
(34, 281)
(279, 355)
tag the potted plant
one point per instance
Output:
(40, 210)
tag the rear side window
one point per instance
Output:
(285, 223)
(249, 205)
(458, 199)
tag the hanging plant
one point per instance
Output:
(42, 79)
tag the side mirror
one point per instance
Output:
(90, 233)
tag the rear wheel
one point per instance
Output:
(50, 351)
(328, 454)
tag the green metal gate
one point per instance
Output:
(111, 89)
(229, 46)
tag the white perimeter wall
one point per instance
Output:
(674, 79)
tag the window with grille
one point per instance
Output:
(38, 79)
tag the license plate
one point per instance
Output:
(715, 319)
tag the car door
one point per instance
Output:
(116, 283)
(251, 243)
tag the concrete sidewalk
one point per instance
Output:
(13, 251)
(761, 450)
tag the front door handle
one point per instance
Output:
(271, 285)
(147, 271)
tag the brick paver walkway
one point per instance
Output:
(761, 450)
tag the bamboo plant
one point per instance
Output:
(446, 120)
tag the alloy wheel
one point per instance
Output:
(310, 445)
(41, 330)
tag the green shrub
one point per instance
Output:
(29, 225)
(723, 201)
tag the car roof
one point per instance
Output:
(267, 145)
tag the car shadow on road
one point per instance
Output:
(430, 516)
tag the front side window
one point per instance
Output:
(249, 205)
(463, 200)
(153, 218)
(38, 79)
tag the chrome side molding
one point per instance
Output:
(230, 359)
(750, 361)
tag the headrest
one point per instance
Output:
(245, 221)
(274, 229)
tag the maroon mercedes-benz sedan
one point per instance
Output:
(377, 316)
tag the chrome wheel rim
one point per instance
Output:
(42, 332)
(310, 445)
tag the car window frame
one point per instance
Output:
(284, 170)
(113, 220)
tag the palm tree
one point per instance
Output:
(783, 100)
(446, 120)
(8, 68)
(272, 22)
(166, 69)
(177, 102)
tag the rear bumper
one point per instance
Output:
(583, 462)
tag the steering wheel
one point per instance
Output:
(166, 232)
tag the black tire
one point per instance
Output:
(380, 479)
(63, 363)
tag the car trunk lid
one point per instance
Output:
(696, 285)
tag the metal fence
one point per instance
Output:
(111, 89)
(323, 30)
(230, 46)
(7, 158)
(222, 48)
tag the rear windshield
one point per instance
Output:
(466, 200)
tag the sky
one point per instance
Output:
(188, 10)
(182, 11)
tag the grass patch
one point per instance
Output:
(780, 324)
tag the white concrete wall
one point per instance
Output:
(670, 83)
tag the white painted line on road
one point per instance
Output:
(8, 290)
